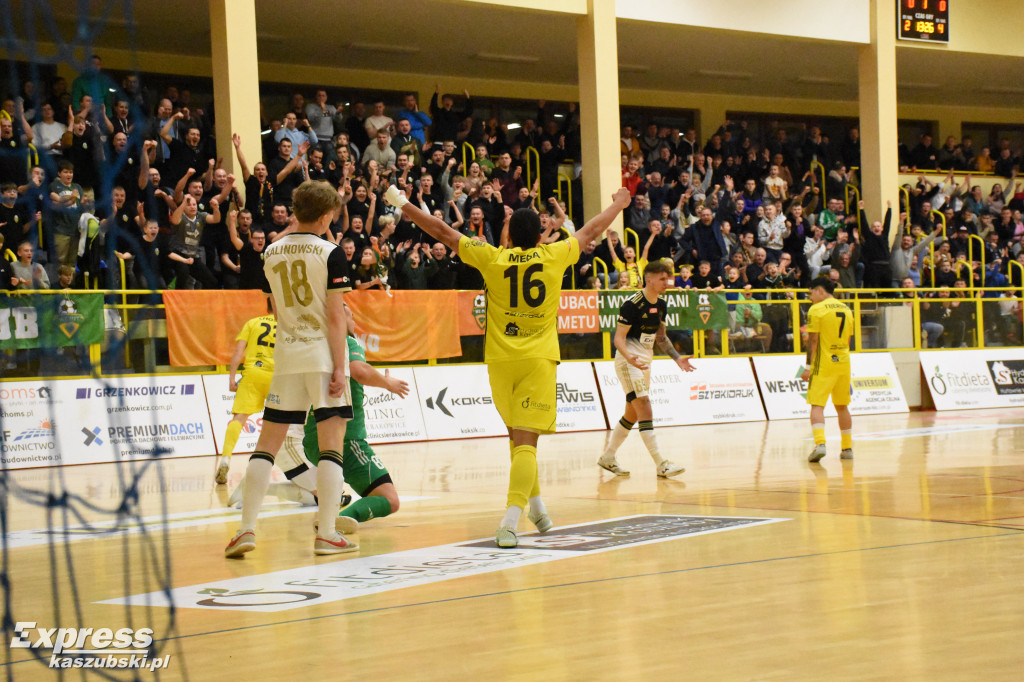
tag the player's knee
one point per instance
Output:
(391, 495)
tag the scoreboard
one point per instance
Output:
(926, 20)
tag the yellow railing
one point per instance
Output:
(846, 199)
(981, 253)
(567, 195)
(940, 217)
(1009, 273)
(533, 170)
(604, 267)
(466, 159)
(905, 193)
(636, 239)
(824, 175)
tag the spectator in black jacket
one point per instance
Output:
(875, 249)
(447, 121)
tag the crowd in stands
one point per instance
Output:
(118, 174)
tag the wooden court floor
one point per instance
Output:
(905, 564)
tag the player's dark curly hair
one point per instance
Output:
(524, 228)
(825, 283)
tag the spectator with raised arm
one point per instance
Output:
(324, 120)
(297, 132)
(447, 121)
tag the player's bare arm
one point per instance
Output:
(812, 350)
(663, 343)
(337, 331)
(596, 226)
(435, 227)
(236, 358)
(367, 375)
(620, 345)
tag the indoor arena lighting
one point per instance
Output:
(507, 58)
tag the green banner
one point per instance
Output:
(687, 309)
(50, 320)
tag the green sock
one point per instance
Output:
(366, 508)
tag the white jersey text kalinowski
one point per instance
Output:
(300, 268)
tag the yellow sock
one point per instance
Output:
(231, 438)
(819, 433)
(847, 438)
(535, 490)
(523, 475)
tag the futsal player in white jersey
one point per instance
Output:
(307, 278)
(641, 325)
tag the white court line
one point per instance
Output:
(188, 519)
(899, 434)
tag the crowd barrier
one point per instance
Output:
(86, 421)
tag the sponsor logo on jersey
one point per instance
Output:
(531, 404)
(511, 329)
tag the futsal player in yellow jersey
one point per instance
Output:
(523, 285)
(829, 328)
(255, 343)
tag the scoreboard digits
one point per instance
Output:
(926, 20)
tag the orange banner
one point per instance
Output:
(577, 313)
(202, 325)
(403, 326)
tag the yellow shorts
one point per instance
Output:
(524, 393)
(834, 383)
(252, 391)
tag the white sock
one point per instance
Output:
(329, 484)
(537, 506)
(306, 480)
(257, 477)
(619, 434)
(511, 519)
(652, 445)
(292, 493)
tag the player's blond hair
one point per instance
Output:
(313, 200)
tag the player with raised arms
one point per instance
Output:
(306, 274)
(641, 325)
(255, 343)
(524, 283)
(829, 328)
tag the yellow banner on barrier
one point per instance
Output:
(202, 325)
(404, 326)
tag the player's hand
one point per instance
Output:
(232, 384)
(394, 197)
(337, 385)
(635, 361)
(806, 374)
(621, 197)
(685, 364)
(395, 385)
